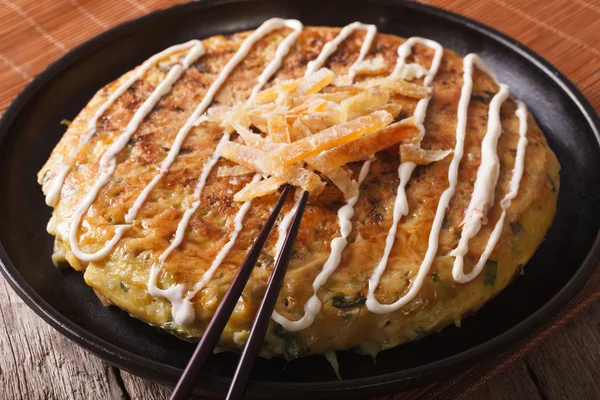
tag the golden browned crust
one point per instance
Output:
(122, 277)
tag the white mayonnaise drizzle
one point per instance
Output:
(404, 50)
(266, 28)
(182, 309)
(513, 186)
(181, 304)
(482, 197)
(185, 310)
(313, 306)
(58, 181)
(108, 162)
(282, 50)
(481, 200)
(405, 171)
(463, 106)
(330, 47)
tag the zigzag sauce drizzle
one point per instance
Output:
(108, 162)
(405, 169)
(313, 306)
(514, 184)
(481, 200)
(57, 183)
(185, 308)
(485, 184)
(182, 309)
(282, 50)
(330, 47)
(447, 195)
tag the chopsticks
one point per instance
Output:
(194, 368)
(261, 322)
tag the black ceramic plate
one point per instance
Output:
(30, 129)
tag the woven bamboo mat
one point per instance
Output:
(33, 33)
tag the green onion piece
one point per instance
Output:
(491, 272)
(516, 227)
(344, 302)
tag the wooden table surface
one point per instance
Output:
(37, 362)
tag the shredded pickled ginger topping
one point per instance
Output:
(303, 132)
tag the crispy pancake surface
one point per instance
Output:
(344, 321)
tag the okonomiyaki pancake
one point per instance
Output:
(431, 187)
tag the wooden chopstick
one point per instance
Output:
(211, 336)
(261, 322)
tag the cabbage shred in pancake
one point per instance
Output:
(345, 319)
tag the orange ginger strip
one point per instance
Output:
(359, 105)
(235, 170)
(342, 178)
(326, 139)
(363, 147)
(272, 93)
(277, 128)
(303, 86)
(260, 188)
(398, 86)
(313, 83)
(250, 157)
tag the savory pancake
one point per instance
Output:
(144, 205)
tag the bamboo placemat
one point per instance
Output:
(33, 33)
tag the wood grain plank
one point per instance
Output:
(511, 384)
(36, 362)
(566, 365)
(141, 389)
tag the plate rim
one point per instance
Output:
(142, 366)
